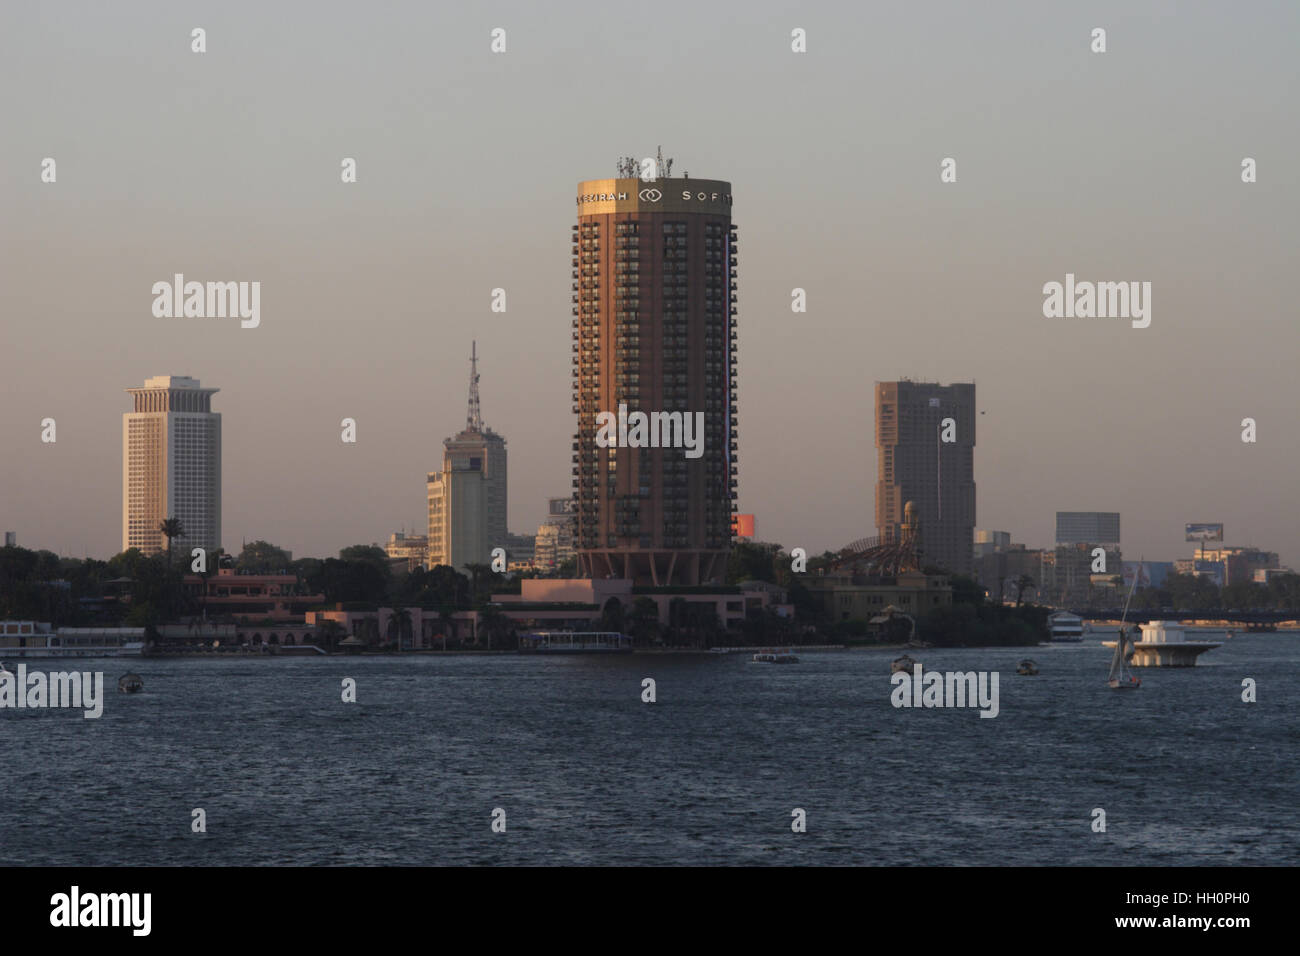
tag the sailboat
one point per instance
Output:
(1120, 677)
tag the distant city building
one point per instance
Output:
(467, 499)
(11, 539)
(171, 465)
(990, 542)
(521, 550)
(916, 464)
(1239, 564)
(1266, 575)
(1150, 574)
(277, 597)
(654, 304)
(410, 549)
(1087, 527)
(1070, 581)
(555, 536)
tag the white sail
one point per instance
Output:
(1117, 661)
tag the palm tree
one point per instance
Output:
(399, 625)
(172, 528)
(447, 617)
(210, 564)
(1023, 583)
(329, 631)
(477, 571)
(493, 622)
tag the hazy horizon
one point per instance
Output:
(224, 166)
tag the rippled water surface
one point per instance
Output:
(287, 773)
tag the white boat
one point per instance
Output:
(1065, 628)
(775, 657)
(34, 639)
(575, 642)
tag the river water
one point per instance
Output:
(586, 773)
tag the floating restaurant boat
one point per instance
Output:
(130, 684)
(904, 664)
(575, 642)
(775, 657)
(1065, 628)
(1165, 644)
(30, 639)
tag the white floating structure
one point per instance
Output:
(1165, 644)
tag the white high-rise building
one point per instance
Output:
(171, 465)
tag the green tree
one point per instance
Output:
(262, 557)
(1023, 584)
(479, 574)
(399, 626)
(493, 624)
(643, 620)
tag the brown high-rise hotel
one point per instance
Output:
(915, 464)
(654, 305)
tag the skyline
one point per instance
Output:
(371, 292)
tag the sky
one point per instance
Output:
(225, 165)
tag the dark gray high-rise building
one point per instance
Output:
(1087, 527)
(918, 463)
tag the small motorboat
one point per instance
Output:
(1027, 668)
(904, 664)
(130, 684)
(775, 657)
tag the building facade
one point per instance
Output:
(554, 545)
(171, 465)
(1087, 527)
(925, 458)
(653, 331)
(408, 551)
(467, 498)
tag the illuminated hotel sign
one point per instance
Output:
(602, 196)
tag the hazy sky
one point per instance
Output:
(225, 166)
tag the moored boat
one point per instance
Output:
(775, 657)
(1027, 668)
(130, 684)
(1065, 628)
(575, 642)
(904, 664)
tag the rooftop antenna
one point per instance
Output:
(662, 167)
(474, 419)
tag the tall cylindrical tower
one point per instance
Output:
(654, 317)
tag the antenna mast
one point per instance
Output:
(474, 419)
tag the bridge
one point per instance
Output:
(1250, 620)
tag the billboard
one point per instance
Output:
(742, 526)
(1205, 532)
(1150, 574)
